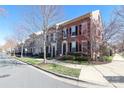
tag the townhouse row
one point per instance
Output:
(79, 35)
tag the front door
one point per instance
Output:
(64, 48)
(53, 51)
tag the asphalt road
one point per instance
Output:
(14, 74)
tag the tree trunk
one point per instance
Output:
(22, 46)
(14, 53)
(44, 47)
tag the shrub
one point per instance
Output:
(77, 58)
(68, 57)
(80, 58)
(106, 58)
(41, 55)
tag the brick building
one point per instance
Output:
(82, 35)
(79, 35)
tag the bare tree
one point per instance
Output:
(49, 16)
(20, 35)
(120, 13)
(10, 44)
(111, 32)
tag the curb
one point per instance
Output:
(60, 75)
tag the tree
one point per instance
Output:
(20, 35)
(48, 15)
(111, 33)
(10, 44)
(120, 13)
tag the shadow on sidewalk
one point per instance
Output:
(115, 79)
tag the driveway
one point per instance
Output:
(110, 75)
(17, 74)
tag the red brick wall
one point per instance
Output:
(79, 37)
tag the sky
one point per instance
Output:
(14, 15)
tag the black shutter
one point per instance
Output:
(70, 30)
(76, 28)
(79, 47)
(79, 29)
(67, 32)
(70, 47)
(76, 46)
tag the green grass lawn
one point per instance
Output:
(61, 69)
(29, 60)
(52, 67)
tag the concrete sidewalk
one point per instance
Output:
(77, 66)
(91, 74)
(110, 75)
(62, 63)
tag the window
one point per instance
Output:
(51, 37)
(65, 33)
(73, 46)
(54, 36)
(73, 31)
(47, 38)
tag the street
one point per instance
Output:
(15, 74)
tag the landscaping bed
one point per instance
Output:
(52, 67)
(74, 59)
